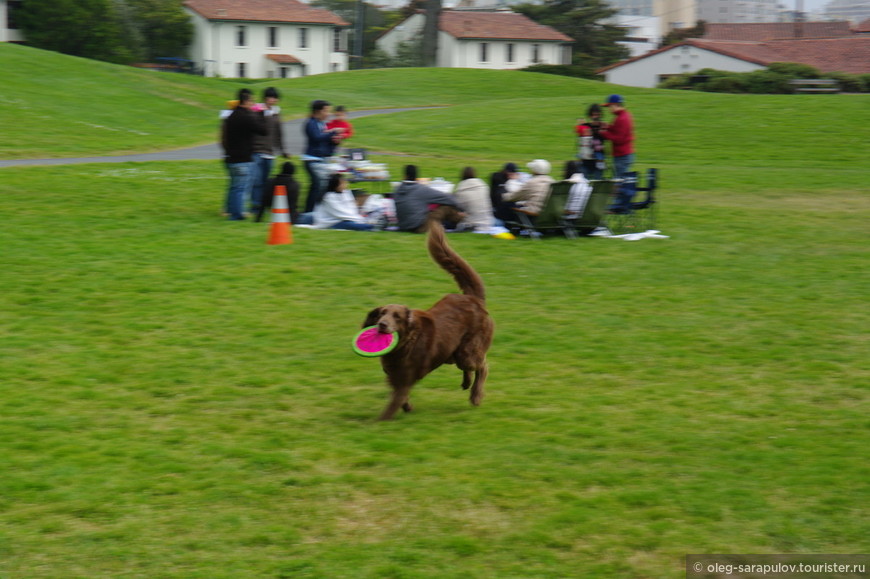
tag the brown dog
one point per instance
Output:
(456, 330)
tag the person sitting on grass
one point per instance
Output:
(338, 209)
(415, 201)
(473, 194)
(291, 185)
(531, 195)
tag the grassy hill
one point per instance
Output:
(63, 106)
(178, 399)
(75, 107)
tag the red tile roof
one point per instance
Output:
(846, 54)
(284, 58)
(502, 25)
(863, 26)
(761, 31)
(263, 11)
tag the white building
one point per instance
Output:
(642, 33)
(671, 14)
(849, 54)
(738, 11)
(853, 10)
(471, 39)
(9, 31)
(266, 38)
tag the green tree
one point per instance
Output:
(86, 28)
(164, 27)
(375, 23)
(121, 31)
(430, 33)
(585, 21)
(409, 53)
(678, 35)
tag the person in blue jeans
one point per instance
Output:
(237, 139)
(320, 144)
(266, 147)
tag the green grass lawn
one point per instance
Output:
(179, 399)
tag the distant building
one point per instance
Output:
(738, 11)
(776, 30)
(852, 10)
(849, 54)
(9, 31)
(642, 33)
(267, 38)
(482, 39)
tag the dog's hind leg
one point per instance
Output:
(466, 379)
(398, 400)
(480, 374)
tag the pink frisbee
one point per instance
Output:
(371, 343)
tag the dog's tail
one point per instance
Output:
(466, 278)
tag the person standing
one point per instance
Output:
(267, 146)
(591, 150)
(238, 133)
(320, 144)
(621, 134)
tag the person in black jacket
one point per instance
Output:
(237, 139)
(285, 178)
(497, 190)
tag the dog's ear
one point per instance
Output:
(372, 318)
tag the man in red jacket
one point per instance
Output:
(621, 133)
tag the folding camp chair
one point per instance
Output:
(595, 211)
(552, 216)
(635, 216)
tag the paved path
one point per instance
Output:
(293, 142)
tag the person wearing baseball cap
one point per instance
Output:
(621, 135)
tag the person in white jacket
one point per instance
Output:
(473, 194)
(338, 208)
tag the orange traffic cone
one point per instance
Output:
(279, 231)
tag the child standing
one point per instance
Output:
(591, 150)
(339, 121)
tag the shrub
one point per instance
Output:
(848, 82)
(575, 70)
(865, 80)
(767, 82)
(794, 70)
(677, 81)
(735, 83)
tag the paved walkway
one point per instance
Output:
(293, 142)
